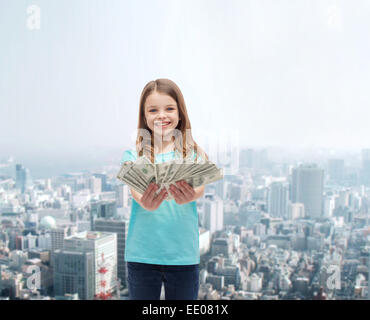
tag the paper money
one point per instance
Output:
(140, 173)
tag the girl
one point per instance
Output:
(163, 239)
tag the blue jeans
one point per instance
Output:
(181, 282)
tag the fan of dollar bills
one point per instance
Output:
(140, 173)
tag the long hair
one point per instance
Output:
(184, 145)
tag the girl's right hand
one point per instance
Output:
(150, 201)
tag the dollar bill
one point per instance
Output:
(140, 173)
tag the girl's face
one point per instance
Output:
(161, 113)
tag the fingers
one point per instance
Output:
(181, 190)
(186, 189)
(160, 197)
(177, 193)
(149, 191)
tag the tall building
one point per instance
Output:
(59, 234)
(120, 227)
(22, 178)
(234, 191)
(210, 216)
(44, 241)
(32, 220)
(20, 243)
(103, 177)
(99, 244)
(31, 241)
(329, 206)
(74, 273)
(213, 217)
(221, 188)
(122, 195)
(249, 215)
(102, 209)
(95, 185)
(307, 188)
(278, 199)
(365, 172)
(336, 170)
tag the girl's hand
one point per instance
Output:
(149, 200)
(182, 192)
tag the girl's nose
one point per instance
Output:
(162, 115)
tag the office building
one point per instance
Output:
(122, 196)
(278, 198)
(102, 209)
(307, 188)
(22, 178)
(365, 172)
(120, 227)
(104, 247)
(74, 273)
(336, 170)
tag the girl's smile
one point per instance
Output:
(163, 124)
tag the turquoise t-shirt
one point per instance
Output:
(168, 235)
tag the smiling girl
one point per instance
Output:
(163, 239)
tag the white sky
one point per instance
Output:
(279, 73)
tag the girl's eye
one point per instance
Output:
(167, 109)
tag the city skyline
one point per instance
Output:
(262, 234)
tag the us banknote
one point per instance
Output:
(140, 173)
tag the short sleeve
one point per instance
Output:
(128, 155)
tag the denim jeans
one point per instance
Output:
(181, 282)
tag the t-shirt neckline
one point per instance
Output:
(159, 154)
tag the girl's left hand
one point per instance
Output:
(182, 192)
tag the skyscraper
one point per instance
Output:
(22, 177)
(74, 273)
(95, 185)
(278, 198)
(59, 234)
(365, 172)
(99, 244)
(120, 227)
(122, 195)
(102, 209)
(336, 170)
(307, 188)
(103, 177)
(210, 216)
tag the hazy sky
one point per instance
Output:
(279, 73)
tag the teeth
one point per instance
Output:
(162, 123)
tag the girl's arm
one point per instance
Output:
(199, 191)
(136, 195)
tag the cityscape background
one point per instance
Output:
(287, 79)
